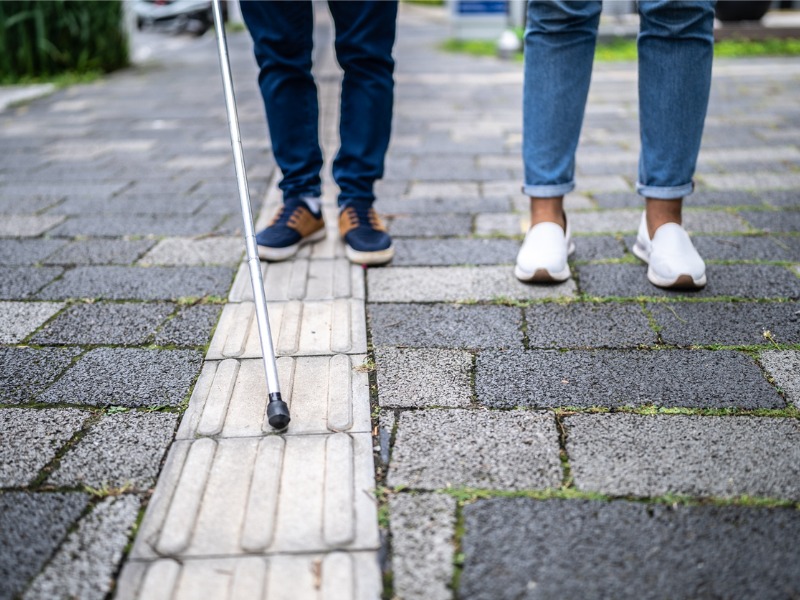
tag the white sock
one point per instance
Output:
(314, 203)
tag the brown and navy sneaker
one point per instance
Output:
(364, 234)
(293, 226)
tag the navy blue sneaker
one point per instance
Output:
(364, 235)
(293, 226)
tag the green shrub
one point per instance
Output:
(43, 38)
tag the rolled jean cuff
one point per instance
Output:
(665, 193)
(548, 191)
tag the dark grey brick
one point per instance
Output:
(781, 198)
(101, 252)
(597, 247)
(446, 325)
(191, 327)
(32, 526)
(455, 251)
(504, 450)
(712, 247)
(105, 323)
(785, 220)
(423, 226)
(524, 548)
(25, 372)
(698, 379)
(114, 226)
(18, 283)
(742, 281)
(130, 204)
(582, 325)
(701, 323)
(124, 448)
(28, 251)
(128, 377)
(31, 439)
(617, 200)
(442, 206)
(654, 455)
(699, 198)
(140, 283)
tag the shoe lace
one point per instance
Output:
(286, 217)
(360, 215)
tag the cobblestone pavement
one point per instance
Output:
(119, 240)
(599, 438)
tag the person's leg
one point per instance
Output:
(676, 48)
(365, 33)
(282, 39)
(559, 50)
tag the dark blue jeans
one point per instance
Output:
(282, 37)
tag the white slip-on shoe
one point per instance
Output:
(673, 261)
(544, 252)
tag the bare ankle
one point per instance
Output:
(659, 212)
(548, 210)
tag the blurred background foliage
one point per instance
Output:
(41, 39)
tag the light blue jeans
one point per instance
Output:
(675, 46)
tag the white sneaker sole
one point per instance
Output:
(379, 257)
(684, 281)
(279, 254)
(544, 275)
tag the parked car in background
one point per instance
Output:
(177, 16)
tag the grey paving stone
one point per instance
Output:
(445, 325)
(100, 252)
(128, 377)
(423, 528)
(702, 323)
(129, 203)
(742, 281)
(416, 378)
(192, 326)
(501, 450)
(27, 251)
(424, 226)
(786, 220)
(129, 324)
(654, 455)
(613, 378)
(706, 221)
(501, 224)
(584, 549)
(605, 221)
(18, 283)
(31, 439)
(780, 198)
(442, 206)
(27, 225)
(123, 449)
(25, 372)
(114, 226)
(187, 251)
(20, 319)
(784, 367)
(712, 247)
(580, 325)
(597, 247)
(454, 284)
(32, 526)
(85, 565)
(455, 251)
(10, 205)
(140, 283)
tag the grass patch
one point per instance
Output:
(60, 81)
(624, 49)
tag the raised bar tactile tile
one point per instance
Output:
(298, 328)
(302, 279)
(205, 498)
(324, 393)
(329, 576)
